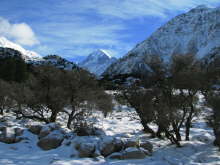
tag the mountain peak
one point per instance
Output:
(202, 7)
(26, 54)
(97, 62)
(100, 53)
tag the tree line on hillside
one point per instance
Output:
(168, 96)
(43, 93)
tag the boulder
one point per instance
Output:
(118, 145)
(47, 129)
(18, 131)
(96, 154)
(35, 129)
(107, 146)
(89, 131)
(86, 150)
(44, 132)
(147, 146)
(131, 143)
(133, 153)
(51, 141)
(115, 155)
(10, 135)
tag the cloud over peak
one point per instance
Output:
(21, 33)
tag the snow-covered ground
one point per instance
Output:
(122, 123)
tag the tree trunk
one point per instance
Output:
(147, 129)
(189, 123)
(159, 131)
(1, 111)
(144, 123)
(172, 138)
(177, 132)
(53, 116)
(70, 119)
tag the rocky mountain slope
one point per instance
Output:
(97, 62)
(28, 56)
(197, 32)
(58, 62)
(8, 48)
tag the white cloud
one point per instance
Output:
(130, 9)
(21, 33)
(84, 36)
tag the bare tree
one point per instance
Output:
(5, 100)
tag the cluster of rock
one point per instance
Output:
(114, 148)
(52, 136)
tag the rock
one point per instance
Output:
(107, 146)
(18, 131)
(53, 126)
(47, 129)
(96, 154)
(119, 145)
(87, 131)
(35, 129)
(115, 155)
(131, 143)
(10, 135)
(44, 132)
(2, 127)
(86, 150)
(146, 151)
(51, 141)
(147, 146)
(133, 153)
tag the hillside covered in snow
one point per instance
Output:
(27, 55)
(195, 32)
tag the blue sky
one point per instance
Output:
(75, 28)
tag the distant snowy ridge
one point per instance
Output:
(97, 62)
(26, 54)
(196, 32)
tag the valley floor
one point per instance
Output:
(123, 123)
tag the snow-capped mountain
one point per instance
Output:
(58, 62)
(97, 62)
(28, 56)
(197, 32)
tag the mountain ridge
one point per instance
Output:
(196, 32)
(27, 55)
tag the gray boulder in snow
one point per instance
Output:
(110, 145)
(10, 135)
(115, 155)
(47, 129)
(53, 140)
(86, 150)
(147, 146)
(35, 129)
(107, 146)
(133, 153)
(131, 143)
(118, 144)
